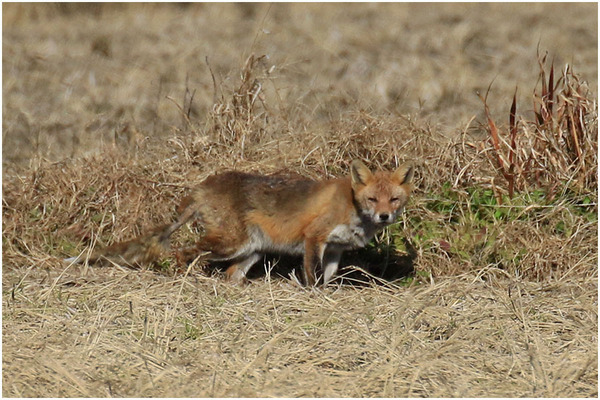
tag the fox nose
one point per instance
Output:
(384, 217)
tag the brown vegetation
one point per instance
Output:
(486, 287)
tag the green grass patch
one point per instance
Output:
(470, 225)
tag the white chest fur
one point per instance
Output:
(353, 235)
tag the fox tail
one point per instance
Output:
(143, 250)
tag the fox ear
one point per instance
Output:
(404, 173)
(359, 173)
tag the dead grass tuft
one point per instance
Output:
(558, 149)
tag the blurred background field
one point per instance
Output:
(74, 74)
(487, 286)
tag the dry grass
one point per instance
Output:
(105, 132)
(113, 332)
(110, 71)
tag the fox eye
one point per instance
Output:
(394, 199)
(372, 199)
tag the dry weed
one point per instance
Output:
(558, 149)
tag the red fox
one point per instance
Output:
(244, 216)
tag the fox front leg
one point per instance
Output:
(312, 256)
(330, 261)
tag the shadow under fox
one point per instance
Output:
(243, 216)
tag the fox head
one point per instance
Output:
(380, 196)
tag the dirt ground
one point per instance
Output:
(112, 112)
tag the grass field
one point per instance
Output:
(487, 285)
